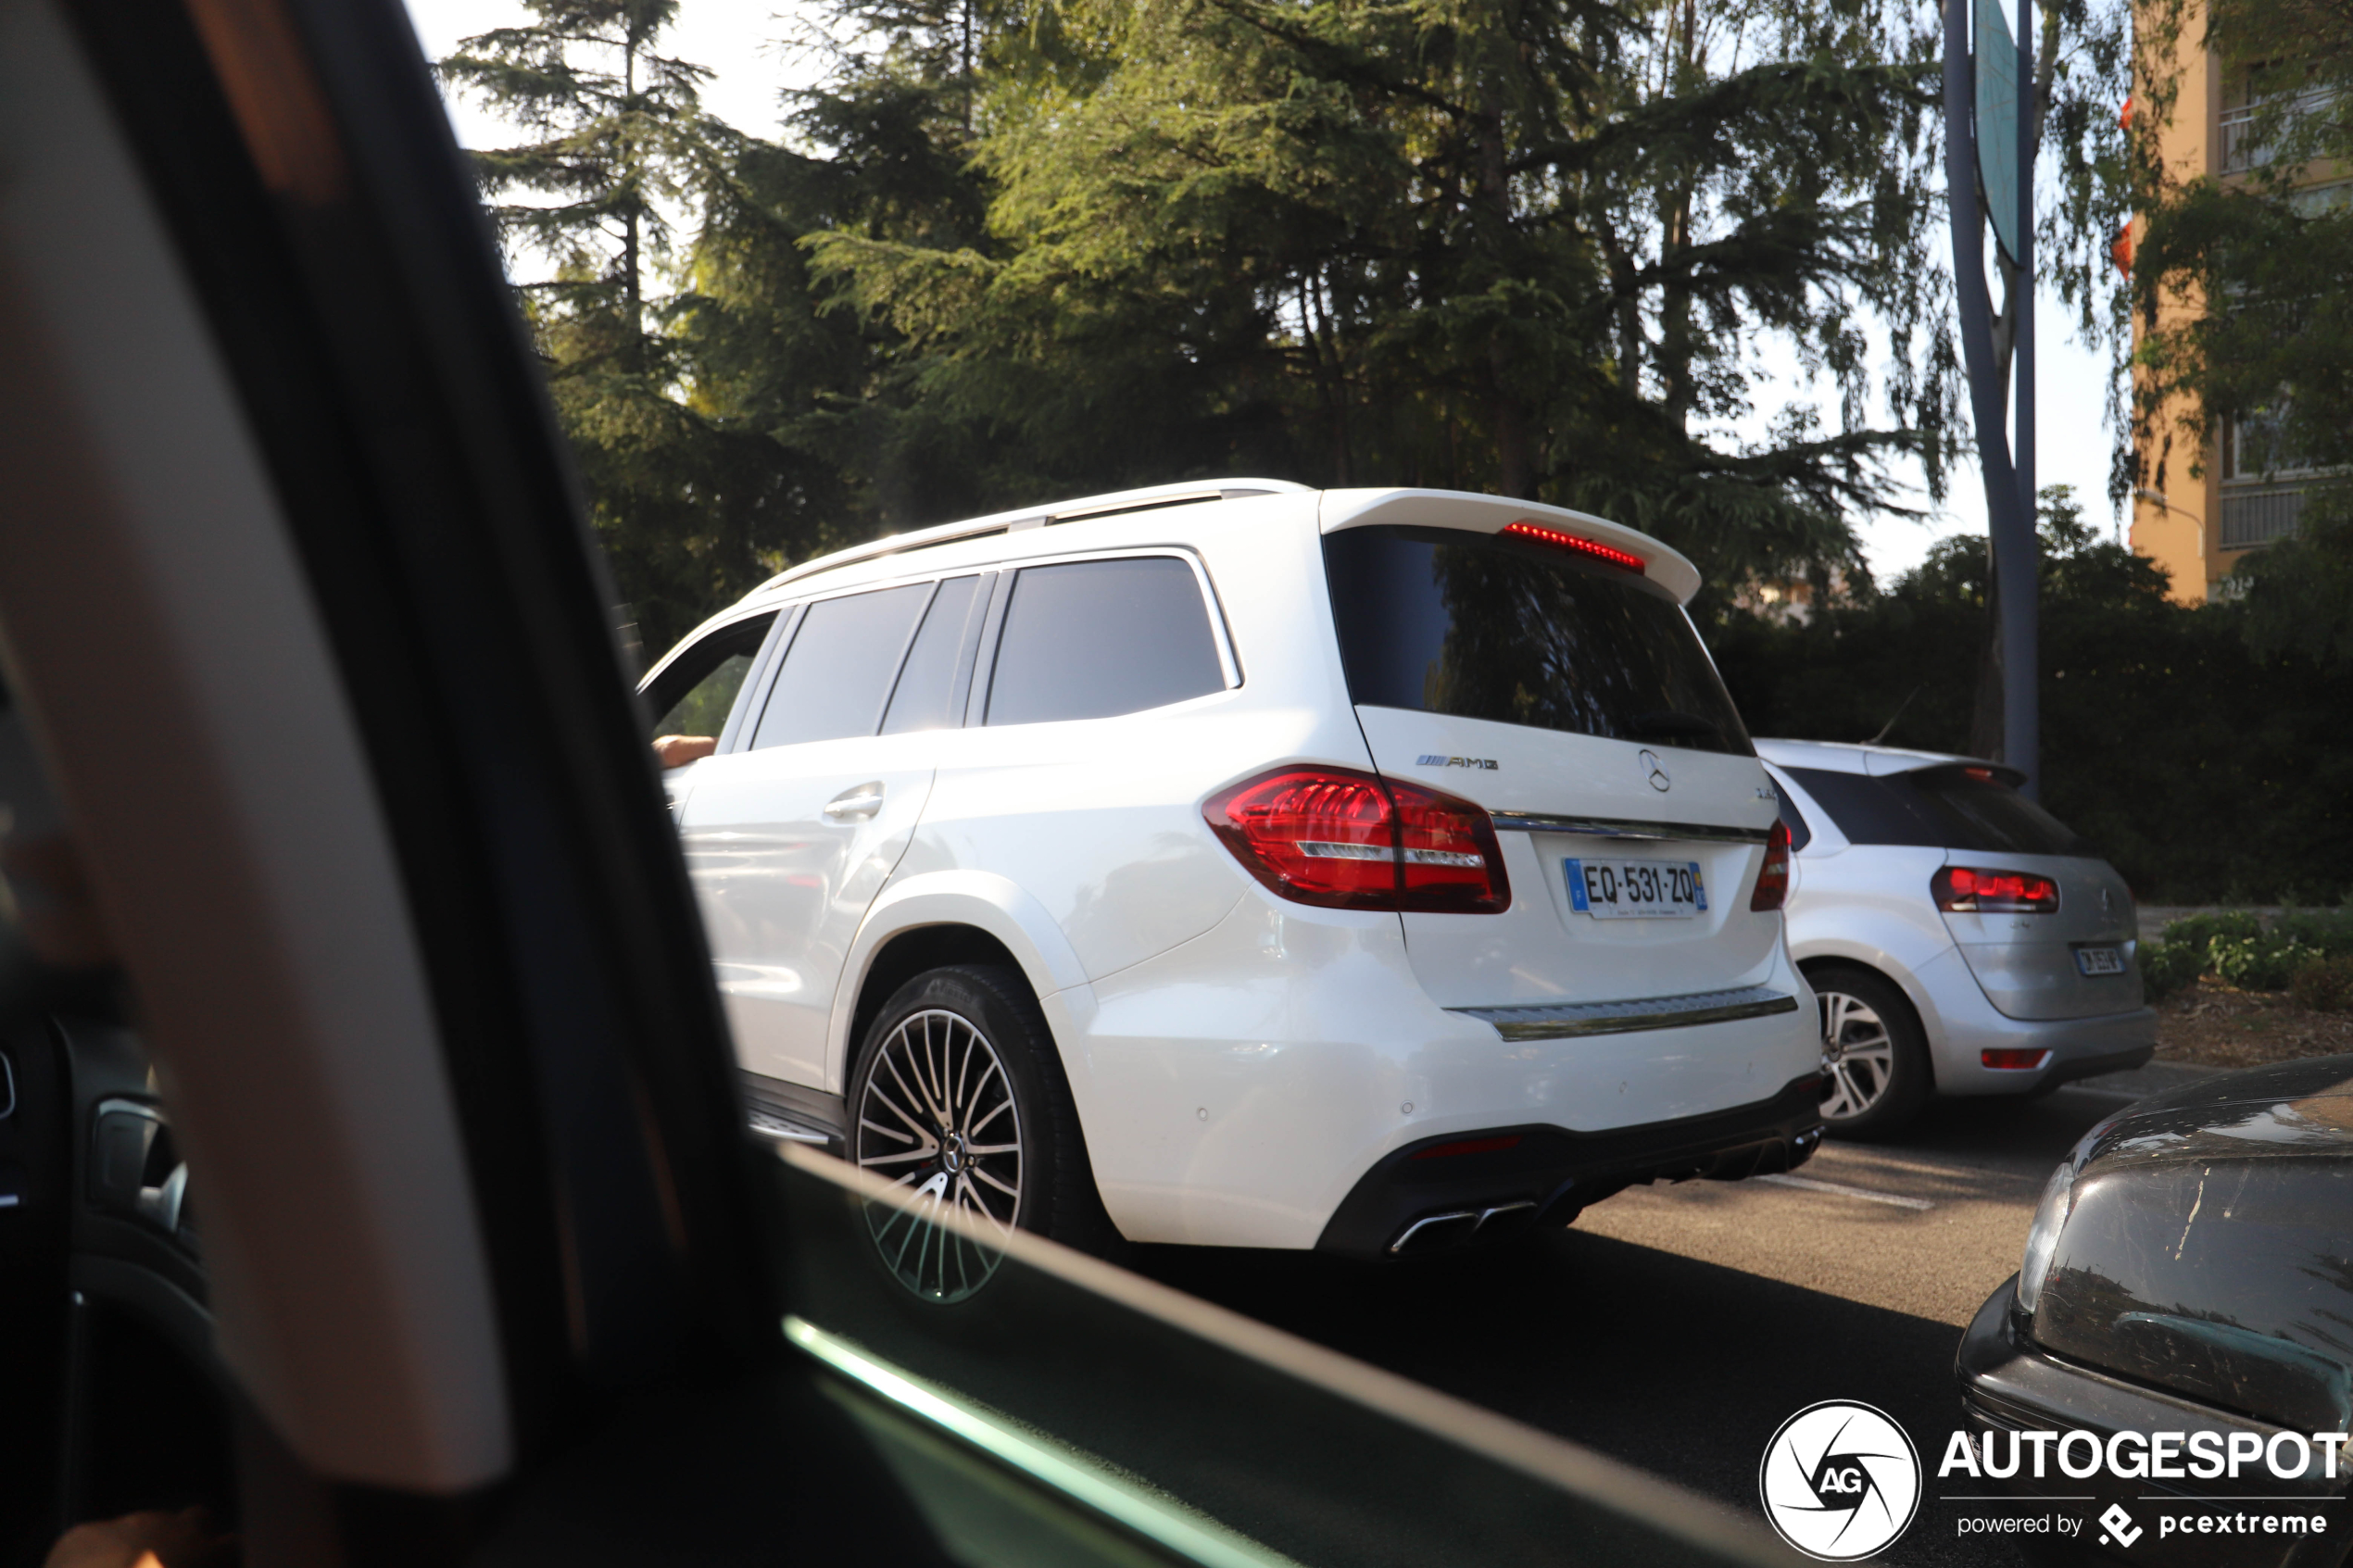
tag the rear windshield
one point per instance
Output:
(1442, 621)
(1943, 807)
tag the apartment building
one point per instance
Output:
(2198, 513)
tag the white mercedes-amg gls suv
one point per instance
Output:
(1244, 864)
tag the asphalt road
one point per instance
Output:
(1677, 1327)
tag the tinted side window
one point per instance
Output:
(927, 686)
(696, 692)
(1094, 638)
(1447, 622)
(1944, 808)
(1994, 816)
(1869, 810)
(844, 655)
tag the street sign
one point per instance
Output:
(1997, 123)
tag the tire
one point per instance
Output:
(1874, 1054)
(959, 1093)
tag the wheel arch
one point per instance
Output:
(1820, 964)
(939, 919)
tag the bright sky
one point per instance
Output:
(744, 43)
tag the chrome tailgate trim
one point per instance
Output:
(1555, 1020)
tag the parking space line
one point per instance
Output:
(1843, 1190)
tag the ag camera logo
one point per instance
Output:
(1840, 1481)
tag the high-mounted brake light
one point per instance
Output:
(1967, 891)
(1555, 537)
(1772, 877)
(1354, 841)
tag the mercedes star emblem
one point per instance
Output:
(1652, 771)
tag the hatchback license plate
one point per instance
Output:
(2099, 960)
(1635, 889)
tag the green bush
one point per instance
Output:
(2167, 967)
(2199, 932)
(2263, 962)
(2324, 931)
(2325, 985)
(2234, 948)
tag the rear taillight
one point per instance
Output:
(1964, 890)
(1772, 877)
(1353, 841)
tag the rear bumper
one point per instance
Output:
(2008, 1385)
(1411, 1203)
(1965, 1025)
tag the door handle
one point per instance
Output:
(856, 804)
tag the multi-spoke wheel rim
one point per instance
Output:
(1859, 1057)
(937, 1117)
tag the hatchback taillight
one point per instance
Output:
(1964, 890)
(1772, 877)
(1354, 841)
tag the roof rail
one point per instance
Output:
(1149, 498)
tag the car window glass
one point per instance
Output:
(1994, 815)
(1869, 810)
(928, 684)
(1800, 835)
(701, 684)
(843, 659)
(1091, 639)
(1941, 808)
(1443, 621)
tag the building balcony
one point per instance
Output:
(2256, 515)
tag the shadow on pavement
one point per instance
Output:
(1678, 1366)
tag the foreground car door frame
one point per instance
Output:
(305, 612)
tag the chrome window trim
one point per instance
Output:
(1560, 1020)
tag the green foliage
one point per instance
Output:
(1012, 250)
(2257, 963)
(696, 497)
(2198, 933)
(2166, 739)
(2236, 948)
(2324, 984)
(1531, 247)
(2167, 967)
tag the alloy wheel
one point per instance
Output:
(937, 1117)
(1858, 1056)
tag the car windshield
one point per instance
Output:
(1477, 627)
(1955, 808)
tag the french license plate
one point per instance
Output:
(1635, 889)
(2099, 960)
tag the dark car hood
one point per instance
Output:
(2295, 1108)
(2210, 1246)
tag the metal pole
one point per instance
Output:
(2010, 524)
(2022, 695)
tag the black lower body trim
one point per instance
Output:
(1551, 1173)
(797, 1113)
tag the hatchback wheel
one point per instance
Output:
(1875, 1070)
(959, 1100)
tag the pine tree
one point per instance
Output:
(1528, 248)
(694, 506)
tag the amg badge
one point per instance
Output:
(1434, 760)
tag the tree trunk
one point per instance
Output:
(1515, 459)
